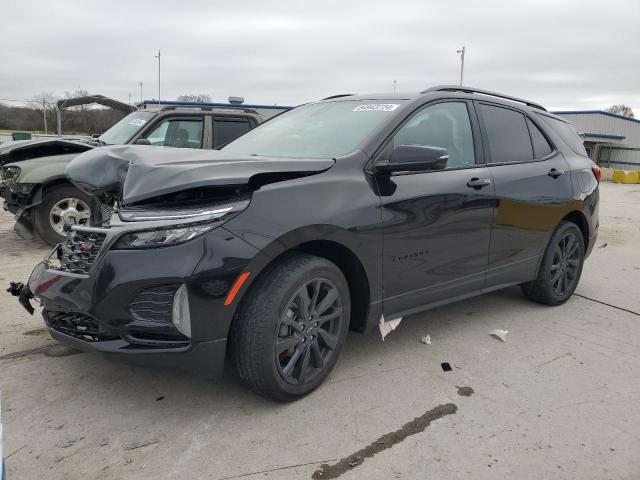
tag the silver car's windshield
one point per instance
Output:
(125, 129)
(316, 130)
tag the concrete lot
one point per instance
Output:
(560, 399)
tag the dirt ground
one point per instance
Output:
(558, 400)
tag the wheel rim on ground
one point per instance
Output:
(68, 211)
(308, 331)
(565, 264)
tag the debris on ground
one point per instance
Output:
(603, 245)
(104, 442)
(388, 326)
(500, 334)
(140, 444)
(446, 366)
(465, 391)
(426, 339)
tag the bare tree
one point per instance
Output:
(621, 109)
(199, 97)
(45, 102)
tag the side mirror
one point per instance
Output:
(143, 141)
(415, 158)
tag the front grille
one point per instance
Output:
(80, 251)
(154, 304)
(78, 325)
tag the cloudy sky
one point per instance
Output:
(566, 54)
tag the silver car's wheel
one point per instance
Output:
(68, 211)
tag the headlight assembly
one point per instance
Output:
(162, 237)
(172, 226)
(10, 172)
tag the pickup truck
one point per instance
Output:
(44, 202)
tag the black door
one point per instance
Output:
(436, 224)
(533, 192)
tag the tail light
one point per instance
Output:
(597, 172)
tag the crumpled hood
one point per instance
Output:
(133, 173)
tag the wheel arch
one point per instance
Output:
(578, 218)
(331, 244)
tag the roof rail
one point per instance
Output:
(236, 106)
(209, 109)
(458, 88)
(339, 96)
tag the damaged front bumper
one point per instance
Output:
(157, 307)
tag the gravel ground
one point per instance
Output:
(558, 400)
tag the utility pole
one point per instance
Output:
(395, 85)
(158, 57)
(461, 52)
(129, 98)
(141, 100)
(44, 115)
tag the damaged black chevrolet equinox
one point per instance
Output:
(332, 216)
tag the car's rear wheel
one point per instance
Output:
(60, 206)
(560, 268)
(291, 326)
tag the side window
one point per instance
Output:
(541, 147)
(445, 125)
(227, 129)
(177, 132)
(568, 134)
(508, 136)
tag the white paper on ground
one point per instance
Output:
(501, 334)
(426, 339)
(386, 327)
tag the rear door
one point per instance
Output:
(436, 224)
(532, 188)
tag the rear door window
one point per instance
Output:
(541, 147)
(226, 129)
(177, 132)
(507, 134)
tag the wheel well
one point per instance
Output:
(353, 271)
(579, 219)
(58, 182)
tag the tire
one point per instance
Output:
(560, 268)
(56, 197)
(269, 345)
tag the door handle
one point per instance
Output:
(478, 183)
(555, 173)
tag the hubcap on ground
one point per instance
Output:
(308, 331)
(564, 267)
(69, 211)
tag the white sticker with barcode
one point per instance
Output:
(376, 107)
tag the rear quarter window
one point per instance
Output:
(567, 133)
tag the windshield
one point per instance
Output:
(317, 130)
(125, 129)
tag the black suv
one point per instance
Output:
(332, 216)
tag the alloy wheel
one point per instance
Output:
(68, 211)
(565, 265)
(308, 331)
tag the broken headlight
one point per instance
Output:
(7, 173)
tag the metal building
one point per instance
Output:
(611, 140)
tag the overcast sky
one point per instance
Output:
(566, 54)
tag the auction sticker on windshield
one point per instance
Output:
(376, 107)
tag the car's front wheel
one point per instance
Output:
(291, 326)
(560, 268)
(60, 206)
